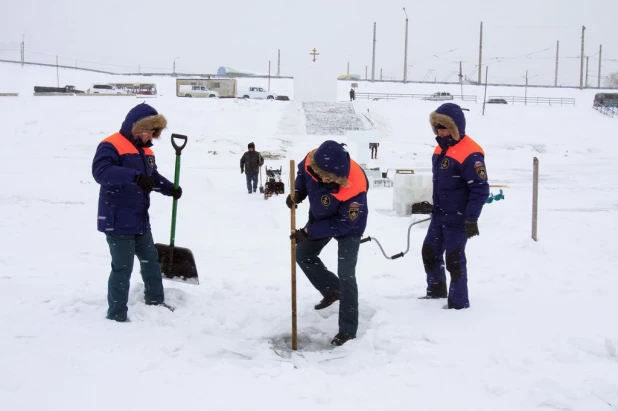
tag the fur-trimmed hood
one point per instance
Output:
(342, 181)
(450, 116)
(143, 118)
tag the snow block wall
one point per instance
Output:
(409, 189)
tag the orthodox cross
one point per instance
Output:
(314, 53)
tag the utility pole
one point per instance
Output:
(485, 98)
(373, 60)
(268, 75)
(139, 69)
(581, 68)
(365, 73)
(57, 74)
(278, 62)
(174, 71)
(23, 51)
(526, 90)
(600, 54)
(380, 74)
(348, 69)
(405, 53)
(587, 61)
(557, 54)
(461, 78)
(480, 53)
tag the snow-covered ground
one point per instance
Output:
(540, 334)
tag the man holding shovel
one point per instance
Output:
(337, 190)
(124, 166)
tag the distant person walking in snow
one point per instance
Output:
(352, 94)
(460, 190)
(374, 150)
(337, 190)
(250, 164)
(124, 166)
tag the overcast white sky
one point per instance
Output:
(246, 34)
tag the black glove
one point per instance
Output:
(176, 192)
(472, 229)
(424, 207)
(242, 171)
(299, 235)
(298, 198)
(145, 182)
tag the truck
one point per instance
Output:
(256, 92)
(439, 96)
(222, 87)
(188, 90)
(63, 90)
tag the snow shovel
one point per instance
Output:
(177, 263)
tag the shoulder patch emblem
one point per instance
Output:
(354, 211)
(479, 167)
(325, 200)
(444, 164)
(151, 161)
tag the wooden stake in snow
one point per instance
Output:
(535, 196)
(293, 249)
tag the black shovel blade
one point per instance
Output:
(177, 264)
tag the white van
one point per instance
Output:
(187, 90)
(105, 89)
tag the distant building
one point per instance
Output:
(349, 77)
(232, 72)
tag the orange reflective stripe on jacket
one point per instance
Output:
(124, 146)
(460, 151)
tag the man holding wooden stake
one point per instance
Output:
(337, 190)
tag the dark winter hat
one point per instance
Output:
(251, 145)
(143, 118)
(449, 116)
(333, 161)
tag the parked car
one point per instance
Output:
(187, 90)
(105, 89)
(439, 96)
(496, 101)
(256, 92)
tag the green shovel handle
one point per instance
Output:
(176, 146)
(176, 182)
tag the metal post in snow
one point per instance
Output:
(535, 197)
(293, 256)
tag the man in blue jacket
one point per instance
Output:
(124, 166)
(337, 190)
(460, 190)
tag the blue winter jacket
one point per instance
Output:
(460, 186)
(119, 160)
(334, 211)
